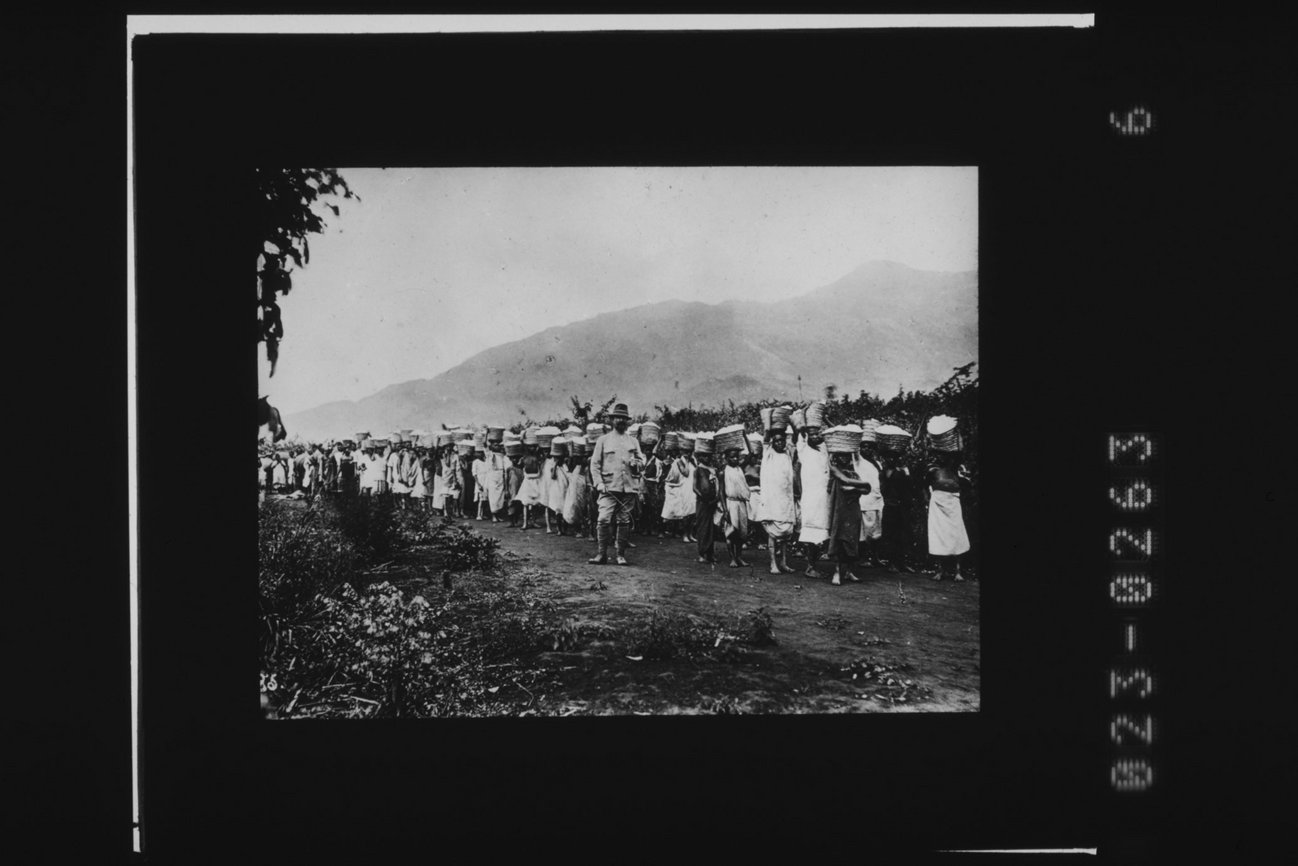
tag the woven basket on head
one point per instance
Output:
(843, 440)
(870, 430)
(380, 443)
(546, 435)
(464, 446)
(730, 437)
(687, 442)
(780, 417)
(514, 448)
(703, 444)
(950, 441)
(558, 447)
(495, 433)
(765, 414)
(892, 438)
(939, 424)
(529, 436)
(816, 414)
(577, 447)
(444, 438)
(650, 432)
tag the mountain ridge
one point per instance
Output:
(881, 325)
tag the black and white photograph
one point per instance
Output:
(617, 440)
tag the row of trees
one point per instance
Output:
(910, 410)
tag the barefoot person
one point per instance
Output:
(735, 496)
(529, 494)
(574, 502)
(706, 490)
(845, 491)
(615, 466)
(813, 471)
(556, 488)
(779, 499)
(947, 538)
(495, 481)
(866, 465)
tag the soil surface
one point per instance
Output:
(912, 642)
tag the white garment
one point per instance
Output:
(679, 500)
(868, 472)
(778, 503)
(946, 532)
(814, 466)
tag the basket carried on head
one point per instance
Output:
(594, 430)
(460, 434)
(870, 430)
(380, 443)
(843, 440)
(650, 432)
(703, 444)
(529, 436)
(755, 444)
(464, 446)
(514, 448)
(731, 437)
(577, 447)
(495, 433)
(672, 440)
(892, 438)
(558, 447)
(816, 414)
(780, 416)
(546, 435)
(943, 435)
(444, 438)
(572, 431)
(687, 442)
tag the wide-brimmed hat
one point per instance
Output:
(619, 410)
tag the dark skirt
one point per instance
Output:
(844, 522)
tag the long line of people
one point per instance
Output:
(795, 488)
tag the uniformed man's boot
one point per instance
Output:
(603, 533)
(623, 538)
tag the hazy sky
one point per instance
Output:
(435, 265)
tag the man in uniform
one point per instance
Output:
(616, 466)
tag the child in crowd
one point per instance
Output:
(734, 495)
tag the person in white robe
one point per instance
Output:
(813, 478)
(778, 511)
(556, 488)
(493, 481)
(866, 466)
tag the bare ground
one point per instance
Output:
(913, 642)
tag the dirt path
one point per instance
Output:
(928, 632)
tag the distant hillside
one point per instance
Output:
(880, 326)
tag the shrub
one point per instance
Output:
(463, 549)
(300, 556)
(378, 646)
(370, 525)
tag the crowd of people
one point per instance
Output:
(797, 488)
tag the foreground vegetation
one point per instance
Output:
(370, 612)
